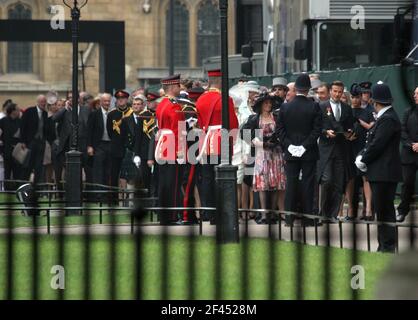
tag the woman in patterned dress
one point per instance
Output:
(269, 176)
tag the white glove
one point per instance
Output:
(292, 149)
(360, 165)
(181, 161)
(301, 151)
(297, 152)
(192, 122)
(137, 161)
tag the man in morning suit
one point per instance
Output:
(34, 132)
(334, 163)
(381, 161)
(409, 158)
(98, 141)
(299, 126)
(64, 120)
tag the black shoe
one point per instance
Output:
(181, 222)
(259, 220)
(310, 223)
(329, 220)
(348, 219)
(389, 249)
(205, 217)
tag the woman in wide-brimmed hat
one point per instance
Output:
(269, 176)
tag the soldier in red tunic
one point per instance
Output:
(170, 152)
(209, 110)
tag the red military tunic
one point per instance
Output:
(169, 116)
(209, 110)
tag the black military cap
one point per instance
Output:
(356, 90)
(152, 96)
(195, 93)
(122, 94)
(303, 82)
(366, 87)
(381, 94)
(171, 80)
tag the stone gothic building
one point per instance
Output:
(27, 69)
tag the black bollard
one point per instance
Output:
(73, 185)
(227, 226)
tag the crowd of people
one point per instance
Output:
(306, 146)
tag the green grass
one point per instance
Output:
(19, 221)
(259, 262)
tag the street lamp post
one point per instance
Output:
(171, 38)
(227, 227)
(73, 185)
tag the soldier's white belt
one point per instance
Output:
(158, 152)
(212, 130)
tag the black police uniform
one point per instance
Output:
(384, 172)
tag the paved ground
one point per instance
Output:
(254, 231)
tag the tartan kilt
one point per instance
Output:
(128, 170)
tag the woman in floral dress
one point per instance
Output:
(269, 175)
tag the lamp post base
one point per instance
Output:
(227, 226)
(73, 185)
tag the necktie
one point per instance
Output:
(40, 126)
(337, 112)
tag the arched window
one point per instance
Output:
(181, 35)
(208, 31)
(19, 54)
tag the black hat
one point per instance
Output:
(152, 96)
(171, 80)
(303, 82)
(381, 94)
(195, 93)
(263, 97)
(355, 90)
(121, 94)
(366, 87)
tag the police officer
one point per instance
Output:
(409, 158)
(381, 161)
(366, 91)
(117, 147)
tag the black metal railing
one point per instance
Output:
(142, 220)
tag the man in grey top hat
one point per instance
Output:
(279, 87)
